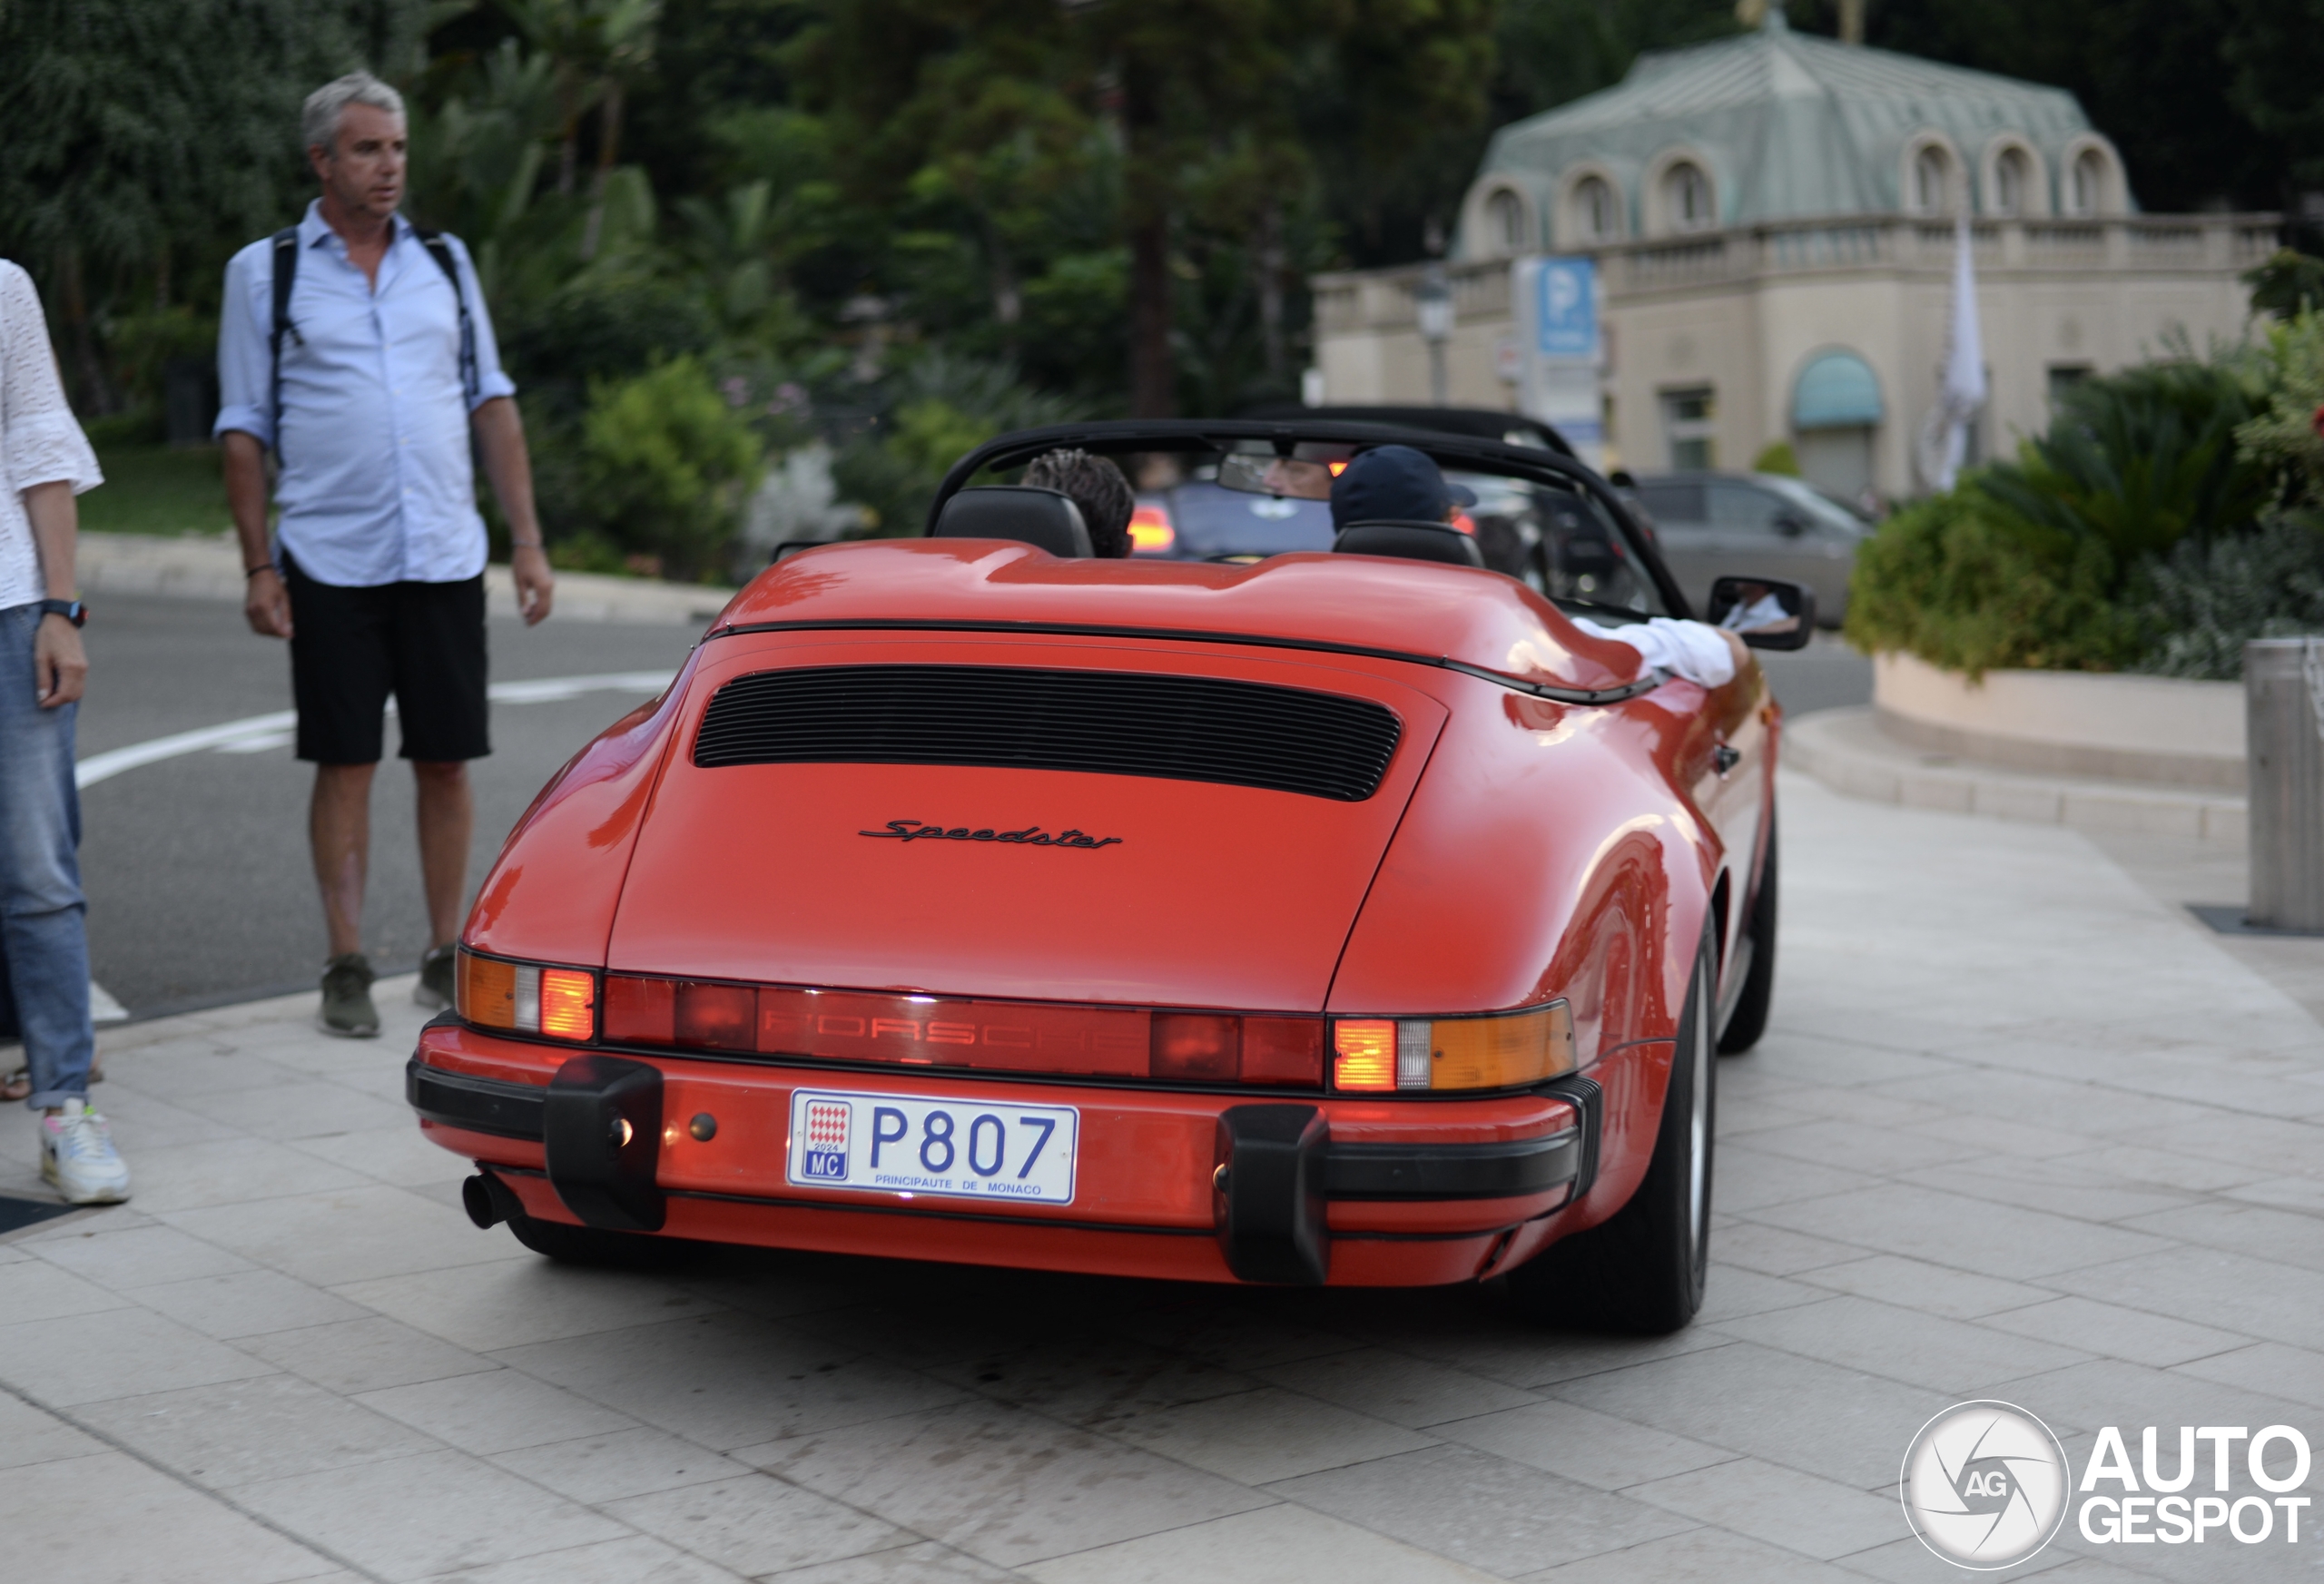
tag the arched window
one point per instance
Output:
(1505, 220)
(2086, 183)
(1593, 210)
(1932, 178)
(1687, 198)
(2013, 181)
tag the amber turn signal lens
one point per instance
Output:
(493, 993)
(1506, 1050)
(1501, 1053)
(484, 991)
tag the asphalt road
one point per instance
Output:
(196, 867)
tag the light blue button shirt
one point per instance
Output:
(377, 483)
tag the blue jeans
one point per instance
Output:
(43, 937)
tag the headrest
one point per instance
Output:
(1414, 541)
(1023, 512)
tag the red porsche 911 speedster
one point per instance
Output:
(1349, 917)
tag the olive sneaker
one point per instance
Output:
(347, 1008)
(435, 986)
(77, 1158)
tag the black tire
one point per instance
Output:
(1642, 1270)
(593, 1245)
(1748, 1020)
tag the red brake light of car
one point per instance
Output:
(996, 1035)
(525, 998)
(1501, 1050)
(1150, 532)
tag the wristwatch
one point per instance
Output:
(71, 610)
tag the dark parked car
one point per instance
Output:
(1716, 524)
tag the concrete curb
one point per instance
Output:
(1847, 750)
(210, 568)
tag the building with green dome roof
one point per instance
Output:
(1772, 218)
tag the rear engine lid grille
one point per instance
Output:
(1112, 723)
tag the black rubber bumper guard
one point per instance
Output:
(599, 1123)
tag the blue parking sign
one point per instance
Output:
(1566, 311)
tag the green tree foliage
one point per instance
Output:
(146, 140)
(2141, 532)
(1964, 583)
(2286, 283)
(2285, 437)
(2138, 459)
(669, 461)
(2206, 601)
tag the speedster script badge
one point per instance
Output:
(1031, 836)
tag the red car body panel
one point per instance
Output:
(1518, 849)
(943, 918)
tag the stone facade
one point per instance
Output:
(1759, 205)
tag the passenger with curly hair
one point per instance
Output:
(1097, 488)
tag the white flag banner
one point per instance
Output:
(1962, 392)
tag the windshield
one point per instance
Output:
(1553, 535)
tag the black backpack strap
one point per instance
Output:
(286, 275)
(440, 250)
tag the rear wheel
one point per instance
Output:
(1748, 1020)
(1642, 1270)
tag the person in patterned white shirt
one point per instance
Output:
(44, 935)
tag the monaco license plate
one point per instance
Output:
(920, 1144)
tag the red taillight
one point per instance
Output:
(1367, 1054)
(1027, 1037)
(1197, 1045)
(569, 1003)
(1150, 532)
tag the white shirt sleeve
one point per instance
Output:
(1693, 650)
(245, 360)
(40, 442)
(491, 379)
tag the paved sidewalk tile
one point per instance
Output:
(1267, 1434)
(412, 1517)
(110, 1520)
(754, 1524)
(265, 1429)
(1002, 1484)
(1257, 1548)
(2063, 1189)
(1487, 1511)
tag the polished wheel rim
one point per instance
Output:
(1699, 1124)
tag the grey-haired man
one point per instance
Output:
(368, 377)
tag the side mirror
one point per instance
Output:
(1767, 613)
(1790, 527)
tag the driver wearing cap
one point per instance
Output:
(1399, 484)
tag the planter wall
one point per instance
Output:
(2158, 729)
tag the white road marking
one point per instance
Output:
(256, 733)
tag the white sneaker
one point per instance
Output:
(77, 1156)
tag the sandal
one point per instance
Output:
(17, 1084)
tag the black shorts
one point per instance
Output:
(352, 648)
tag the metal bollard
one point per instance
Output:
(2283, 695)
